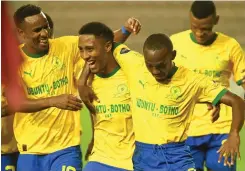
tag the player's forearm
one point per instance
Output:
(34, 105)
(5, 111)
(238, 109)
(84, 75)
(120, 37)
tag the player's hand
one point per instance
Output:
(66, 102)
(133, 25)
(230, 149)
(89, 149)
(88, 96)
(214, 111)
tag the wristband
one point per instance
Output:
(125, 32)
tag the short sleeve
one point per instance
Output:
(208, 90)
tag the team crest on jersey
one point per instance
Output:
(175, 93)
(122, 90)
(58, 64)
(124, 50)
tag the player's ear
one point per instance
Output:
(173, 54)
(20, 33)
(216, 20)
(108, 46)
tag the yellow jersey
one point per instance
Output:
(45, 76)
(162, 112)
(8, 141)
(113, 127)
(218, 60)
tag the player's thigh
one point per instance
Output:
(28, 162)
(212, 161)
(96, 166)
(9, 162)
(198, 150)
(69, 159)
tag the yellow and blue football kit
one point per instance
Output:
(9, 150)
(50, 139)
(113, 126)
(162, 112)
(218, 60)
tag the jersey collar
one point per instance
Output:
(209, 42)
(172, 72)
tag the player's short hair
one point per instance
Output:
(158, 41)
(50, 21)
(25, 11)
(97, 29)
(203, 9)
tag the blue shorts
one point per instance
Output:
(68, 159)
(9, 161)
(204, 149)
(166, 157)
(96, 166)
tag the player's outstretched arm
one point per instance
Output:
(230, 148)
(5, 111)
(85, 91)
(64, 101)
(132, 25)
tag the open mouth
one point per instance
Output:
(43, 42)
(91, 64)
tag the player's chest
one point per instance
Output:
(44, 69)
(205, 59)
(169, 94)
(112, 90)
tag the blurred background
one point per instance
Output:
(166, 17)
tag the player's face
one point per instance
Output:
(203, 28)
(159, 62)
(34, 32)
(93, 50)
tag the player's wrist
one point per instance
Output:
(234, 132)
(125, 31)
(50, 102)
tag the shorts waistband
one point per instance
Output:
(168, 145)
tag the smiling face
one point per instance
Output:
(94, 51)
(202, 29)
(34, 31)
(159, 62)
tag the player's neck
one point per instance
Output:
(111, 68)
(32, 52)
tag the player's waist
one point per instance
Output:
(42, 150)
(125, 163)
(141, 145)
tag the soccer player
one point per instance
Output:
(163, 99)
(217, 56)
(113, 145)
(9, 150)
(48, 129)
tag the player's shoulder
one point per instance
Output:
(228, 40)
(64, 40)
(189, 75)
(124, 51)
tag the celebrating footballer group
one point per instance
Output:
(167, 109)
